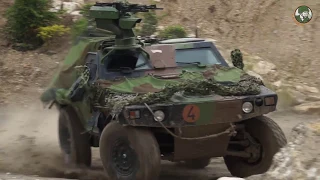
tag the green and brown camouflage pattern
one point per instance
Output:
(237, 60)
(217, 91)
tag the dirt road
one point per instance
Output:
(29, 145)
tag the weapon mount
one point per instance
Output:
(117, 18)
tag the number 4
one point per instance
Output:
(191, 113)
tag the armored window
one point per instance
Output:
(203, 55)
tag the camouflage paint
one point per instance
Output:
(212, 108)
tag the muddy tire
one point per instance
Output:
(128, 153)
(75, 145)
(197, 163)
(271, 138)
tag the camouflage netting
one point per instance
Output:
(192, 87)
(237, 60)
(113, 95)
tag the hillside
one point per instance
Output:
(275, 48)
(265, 29)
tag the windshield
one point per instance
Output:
(204, 56)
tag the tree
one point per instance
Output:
(24, 19)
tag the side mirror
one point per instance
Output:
(237, 60)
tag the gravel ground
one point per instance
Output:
(32, 148)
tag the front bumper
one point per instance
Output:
(211, 110)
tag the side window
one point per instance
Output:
(142, 63)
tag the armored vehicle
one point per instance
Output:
(142, 101)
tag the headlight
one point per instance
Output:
(247, 107)
(159, 115)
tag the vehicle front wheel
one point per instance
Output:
(268, 139)
(74, 144)
(129, 153)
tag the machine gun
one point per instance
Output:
(117, 17)
(124, 8)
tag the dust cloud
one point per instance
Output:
(29, 142)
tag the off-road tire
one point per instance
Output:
(271, 138)
(74, 144)
(140, 145)
(197, 163)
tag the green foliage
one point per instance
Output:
(49, 32)
(193, 86)
(172, 32)
(24, 19)
(149, 24)
(85, 10)
(79, 27)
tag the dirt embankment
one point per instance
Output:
(265, 28)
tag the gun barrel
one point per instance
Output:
(125, 7)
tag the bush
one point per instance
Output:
(149, 24)
(79, 27)
(172, 32)
(49, 32)
(24, 19)
(85, 10)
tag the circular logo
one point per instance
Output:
(303, 14)
(191, 113)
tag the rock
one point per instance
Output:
(277, 84)
(298, 97)
(310, 107)
(191, 35)
(50, 52)
(313, 97)
(290, 97)
(56, 4)
(230, 178)
(305, 88)
(70, 6)
(264, 67)
(76, 15)
(299, 159)
(81, 2)
(160, 28)
(254, 74)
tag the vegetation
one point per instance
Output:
(80, 26)
(48, 32)
(149, 24)
(25, 18)
(173, 32)
(85, 10)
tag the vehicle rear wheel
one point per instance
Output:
(197, 163)
(74, 144)
(129, 153)
(269, 138)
